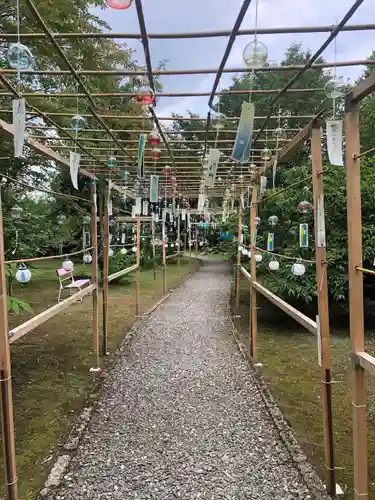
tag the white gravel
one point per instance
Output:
(180, 416)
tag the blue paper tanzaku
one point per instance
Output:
(242, 145)
(270, 242)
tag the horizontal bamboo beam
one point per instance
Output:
(141, 131)
(123, 272)
(21, 330)
(173, 255)
(122, 218)
(73, 95)
(366, 361)
(301, 318)
(179, 72)
(163, 118)
(199, 34)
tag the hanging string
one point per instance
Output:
(18, 15)
(334, 73)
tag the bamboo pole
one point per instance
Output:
(323, 306)
(250, 296)
(164, 252)
(190, 239)
(94, 275)
(138, 275)
(237, 272)
(178, 242)
(153, 247)
(353, 185)
(6, 401)
(253, 270)
(105, 272)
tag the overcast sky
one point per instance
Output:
(202, 15)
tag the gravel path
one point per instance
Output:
(180, 416)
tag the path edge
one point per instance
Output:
(66, 452)
(310, 477)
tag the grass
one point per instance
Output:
(50, 366)
(290, 368)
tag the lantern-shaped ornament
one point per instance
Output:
(273, 220)
(298, 269)
(335, 87)
(266, 154)
(244, 251)
(155, 153)
(111, 252)
(86, 220)
(173, 181)
(274, 265)
(304, 207)
(119, 4)
(167, 170)
(154, 138)
(16, 212)
(257, 221)
(23, 274)
(134, 249)
(111, 162)
(19, 56)
(87, 259)
(123, 251)
(77, 122)
(68, 264)
(258, 258)
(255, 54)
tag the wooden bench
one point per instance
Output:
(72, 285)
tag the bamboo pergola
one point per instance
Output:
(188, 170)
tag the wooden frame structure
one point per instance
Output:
(189, 174)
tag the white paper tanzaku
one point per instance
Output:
(74, 159)
(19, 122)
(334, 142)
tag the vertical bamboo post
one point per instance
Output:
(178, 241)
(6, 401)
(164, 255)
(138, 275)
(250, 291)
(190, 241)
(153, 247)
(323, 306)
(94, 274)
(105, 272)
(253, 269)
(354, 215)
(237, 269)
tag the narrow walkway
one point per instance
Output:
(181, 416)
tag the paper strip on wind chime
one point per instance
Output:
(212, 163)
(270, 242)
(334, 142)
(242, 145)
(145, 207)
(19, 123)
(201, 202)
(134, 211)
(74, 159)
(142, 141)
(138, 205)
(304, 235)
(154, 187)
(263, 185)
(183, 214)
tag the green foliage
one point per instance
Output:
(119, 262)
(17, 305)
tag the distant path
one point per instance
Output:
(181, 416)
